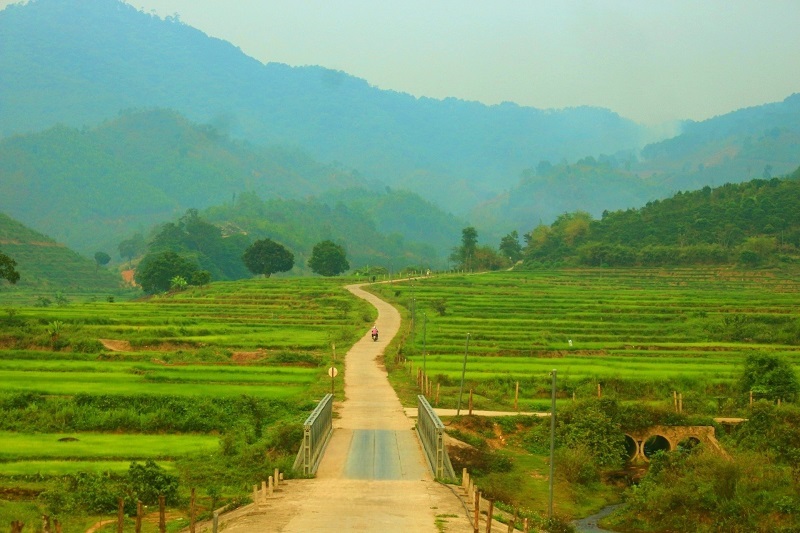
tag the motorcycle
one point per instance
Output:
(374, 336)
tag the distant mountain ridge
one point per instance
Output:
(85, 62)
(757, 142)
(78, 62)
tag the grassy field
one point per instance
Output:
(100, 446)
(638, 333)
(91, 385)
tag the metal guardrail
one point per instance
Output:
(431, 434)
(317, 430)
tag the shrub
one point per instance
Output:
(149, 481)
(576, 464)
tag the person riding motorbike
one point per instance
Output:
(374, 333)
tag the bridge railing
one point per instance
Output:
(317, 430)
(431, 434)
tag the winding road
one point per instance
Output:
(373, 476)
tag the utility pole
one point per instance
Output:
(552, 441)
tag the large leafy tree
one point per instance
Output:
(268, 257)
(192, 236)
(156, 271)
(510, 246)
(464, 255)
(7, 270)
(769, 376)
(328, 259)
(101, 259)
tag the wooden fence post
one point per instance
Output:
(139, 514)
(438, 387)
(58, 526)
(192, 512)
(162, 518)
(215, 523)
(512, 523)
(120, 514)
(470, 401)
(489, 516)
(516, 397)
(477, 511)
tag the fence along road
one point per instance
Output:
(373, 476)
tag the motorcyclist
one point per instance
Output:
(374, 333)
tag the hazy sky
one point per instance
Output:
(648, 60)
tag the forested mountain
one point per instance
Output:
(78, 62)
(90, 188)
(753, 223)
(81, 63)
(45, 264)
(758, 142)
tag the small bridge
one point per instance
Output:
(642, 444)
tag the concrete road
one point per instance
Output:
(373, 476)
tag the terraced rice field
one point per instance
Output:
(639, 333)
(269, 339)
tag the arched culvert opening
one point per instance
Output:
(689, 443)
(654, 444)
(631, 447)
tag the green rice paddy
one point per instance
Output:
(267, 339)
(637, 332)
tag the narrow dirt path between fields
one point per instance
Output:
(374, 476)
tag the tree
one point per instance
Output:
(130, 248)
(156, 271)
(328, 259)
(201, 278)
(149, 481)
(267, 257)
(101, 259)
(510, 246)
(769, 376)
(464, 255)
(7, 270)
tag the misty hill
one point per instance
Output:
(757, 142)
(78, 62)
(752, 223)
(89, 188)
(48, 265)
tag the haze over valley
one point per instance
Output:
(115, 120)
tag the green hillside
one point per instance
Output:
(46, 265)
(756, 223)
(91, 187)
